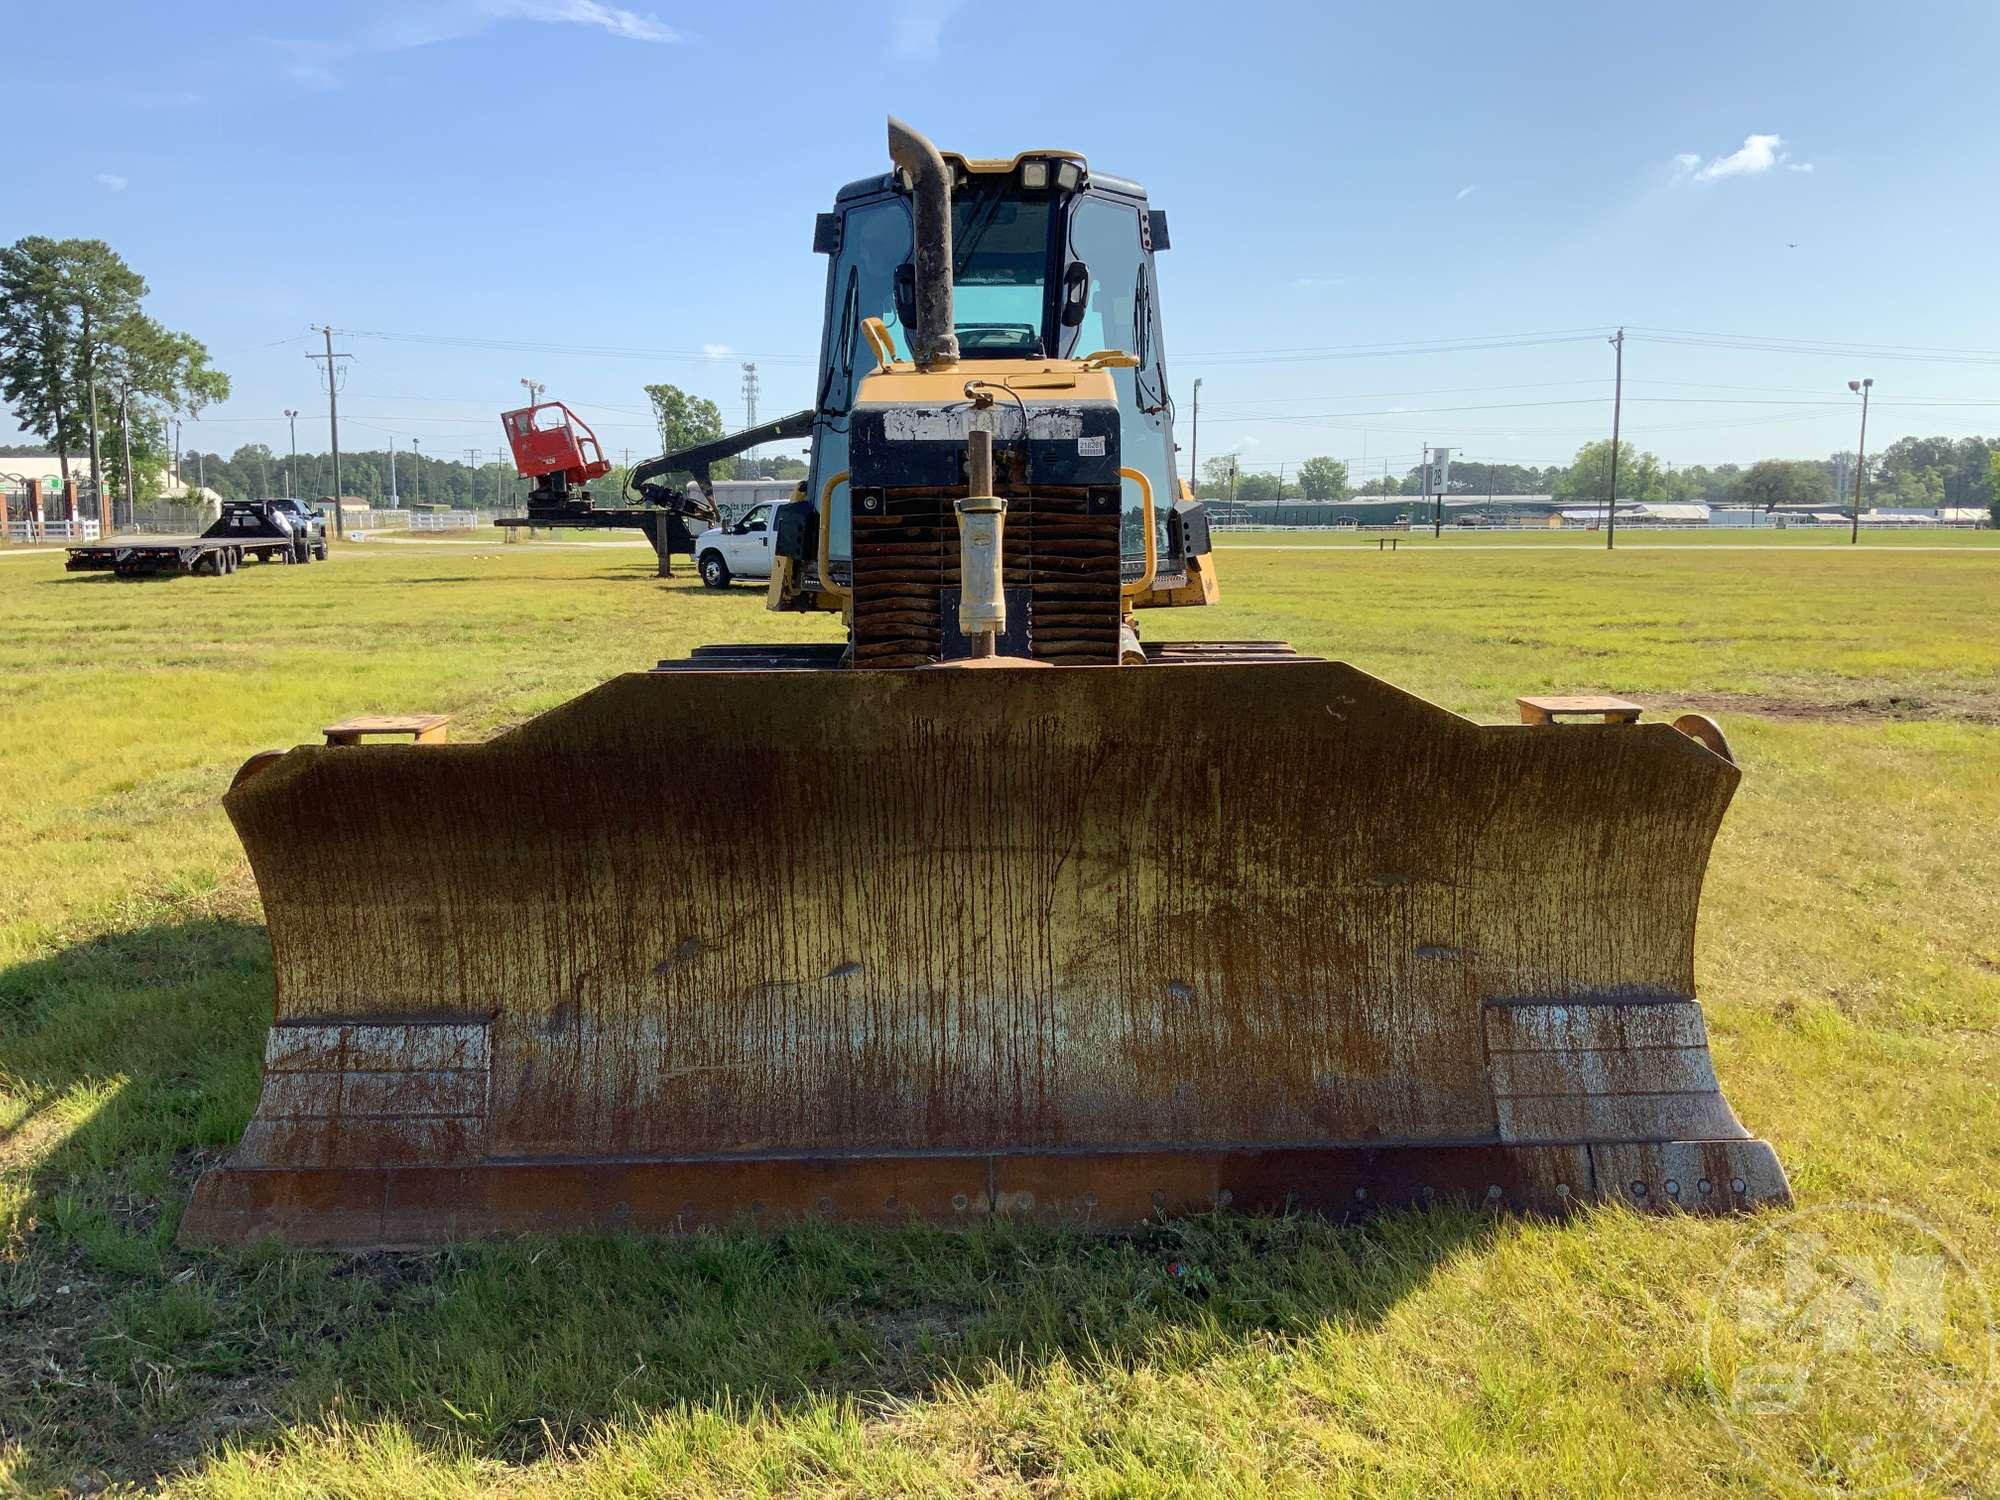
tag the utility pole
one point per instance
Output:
(416, 475)
(395, 496)
(1617, 406)
(333, 418)
(750, 402)
(293, 418)
(177, 454)
(472, 463)
(125, 434)
(1860, 455)
(96, 467)
(1194, 462)
(1424, 475)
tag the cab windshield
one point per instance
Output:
(1000, 255)
(1000, 264)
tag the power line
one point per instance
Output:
(1843, 346)
(604, 351)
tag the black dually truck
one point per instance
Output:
(288, 531)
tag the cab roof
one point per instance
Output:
(985, 166)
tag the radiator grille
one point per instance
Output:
(1061, 553)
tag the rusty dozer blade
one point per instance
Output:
(1094, 943)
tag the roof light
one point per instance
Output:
(1034, 175)
(1068, 175)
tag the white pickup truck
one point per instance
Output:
(739, 550)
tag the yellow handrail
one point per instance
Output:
(1144, 581)
(826, 584)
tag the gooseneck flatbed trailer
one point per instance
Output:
(266, 530)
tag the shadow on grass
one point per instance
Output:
(131, 1061)
(125, 579)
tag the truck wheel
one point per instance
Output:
(714, 571)
(319, 551)
(304, 554)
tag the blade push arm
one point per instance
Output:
(696, 460)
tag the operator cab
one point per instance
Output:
(1050, 261)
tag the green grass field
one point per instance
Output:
(1850, 962)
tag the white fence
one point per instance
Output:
(23, 530)
(426, 520)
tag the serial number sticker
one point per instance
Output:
(1090, 447)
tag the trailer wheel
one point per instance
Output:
(229, 559)
(714, 571)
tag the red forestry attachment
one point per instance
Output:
(550, 439)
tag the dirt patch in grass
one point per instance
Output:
(1964, 708)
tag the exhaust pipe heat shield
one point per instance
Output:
(1085, 942)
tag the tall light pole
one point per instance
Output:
(535, 389)
(293, 418)
(416, 475)
(1860, 456)
(1194, 461)
(395, 496)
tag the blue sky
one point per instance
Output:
(579, 175)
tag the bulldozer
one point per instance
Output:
(1002, 909)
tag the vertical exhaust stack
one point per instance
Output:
(934, 341)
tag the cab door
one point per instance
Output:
(748, 551)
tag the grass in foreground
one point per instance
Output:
(1849, 960)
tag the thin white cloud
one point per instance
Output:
(317, 63)
(1757, 155)
(716, 351)
(1465, 192)
(110, 182)
(917, 26)
(615, 19)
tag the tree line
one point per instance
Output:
(1915, 473)
(415, 478)
(84, 367)
(253, 471)
(1919, 473)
